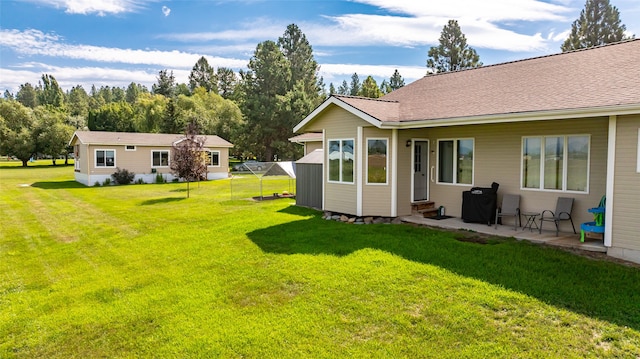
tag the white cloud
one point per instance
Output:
(35, 42)
(166, 11)
(486, 10)
(99, 7)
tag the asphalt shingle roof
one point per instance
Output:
(141, 139)
(598, 77)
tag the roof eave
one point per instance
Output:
(617, 110)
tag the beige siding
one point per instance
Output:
(339, 124)
(626, 185)
(376, 198)
(312, 146)
(497, 155)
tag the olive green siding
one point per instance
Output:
(626, 205)
(376, 198)
(338, 124)
(311, 146)
(497, 158)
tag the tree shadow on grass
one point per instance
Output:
(601, 289)
(58, 184)
(161, 200)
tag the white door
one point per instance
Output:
(420, 170)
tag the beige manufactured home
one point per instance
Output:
(565, 125)
(98, 154)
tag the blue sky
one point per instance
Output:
(116, 42)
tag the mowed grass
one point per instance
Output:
(142, 271)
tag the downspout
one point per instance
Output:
(325, 167)
(611, 167)
(359, 173)
(394, 173)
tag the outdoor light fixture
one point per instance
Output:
(408, 143)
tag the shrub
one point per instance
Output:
(107, 181)
(140, 181)
(159, 178)
(123, 176)
(97, 184)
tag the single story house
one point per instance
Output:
(563, 125)
(98, 154)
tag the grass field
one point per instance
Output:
(142, 271)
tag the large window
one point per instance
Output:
(455, 161)
(213, 158)
(559, 163)
(377, 161)
(105, 158)
(341, 161)
(159, 158)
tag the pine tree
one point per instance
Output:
(598, 24)
(166, 84)
(453, 53)
(203, 75)
(370, 88)
(396, 81)
(354, 88)
(344, 88)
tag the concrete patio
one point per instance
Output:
(548, 235)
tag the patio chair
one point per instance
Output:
(564, 205)
(510, 208)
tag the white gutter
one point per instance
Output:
(516, 117)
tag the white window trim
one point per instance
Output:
(565, 157)
(209, 164)
(386, 180)
(455, 158)
(168, 158)
(340, 169)
(95, 158)
(126, 148)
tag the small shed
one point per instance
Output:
(309, 180)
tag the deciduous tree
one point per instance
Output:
(16, 132)
(453, 53)
(188, 156)
(599, 24)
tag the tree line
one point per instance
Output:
(256, 109)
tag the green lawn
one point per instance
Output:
(141, 271)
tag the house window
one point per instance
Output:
(455, 161)
(341, 161)
(557, 163)
(377, 161)
(159, 158)
(213, 158)
(105, 158)
(129, 148)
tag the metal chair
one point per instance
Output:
(510, 208)
(564, 205)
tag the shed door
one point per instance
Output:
(420, 168)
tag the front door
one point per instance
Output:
(420, 170)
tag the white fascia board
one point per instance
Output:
(517, 117)
(345, 106)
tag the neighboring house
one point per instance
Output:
(98, 154)
(311, 141)
(551, 126)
